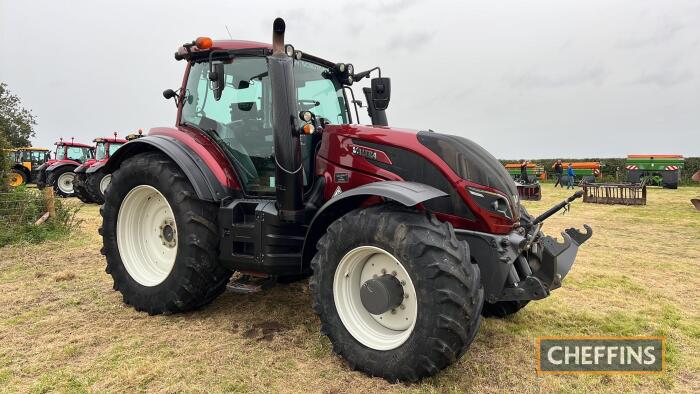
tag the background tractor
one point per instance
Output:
(655, 170)
(90, 180)
(408, 236)
(26, 163)
(58, 172)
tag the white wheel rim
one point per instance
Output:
(147, 235)
(65, 182)
(380, 332)
(104, 183)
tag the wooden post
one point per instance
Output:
(50, 201)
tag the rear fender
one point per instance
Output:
(95, 167)
(22, 169)
(406, 193)
(201, 177)
(60, 164)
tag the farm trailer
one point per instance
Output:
(584, 171)
(655, 170)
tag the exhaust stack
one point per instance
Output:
(288, 165)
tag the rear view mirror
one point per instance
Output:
(381, 92)
(217, 78)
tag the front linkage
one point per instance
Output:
(525, 264)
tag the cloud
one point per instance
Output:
(409, 40)
(663, 79)
(531, 80)
(666, 32)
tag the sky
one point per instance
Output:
(525, 79)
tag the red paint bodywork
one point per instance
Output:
(211, 153)
(335, 156)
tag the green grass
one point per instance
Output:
(64, 329)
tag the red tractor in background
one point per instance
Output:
(408, 236)
(90, 180)
(58, 172)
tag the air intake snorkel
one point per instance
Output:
(288, 165)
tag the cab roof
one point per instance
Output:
(30, 148)
(75, 144)
(222, 45)
(110, 139)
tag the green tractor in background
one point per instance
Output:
(655, 170)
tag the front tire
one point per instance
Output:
(61, 180)
(80, 189)
(159, 239)
(435, 272)
(97, 183)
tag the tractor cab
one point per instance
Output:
(26, 162)
(58, 172)
(105, 147)
(237, 110)
(73, 151)
(90, 181)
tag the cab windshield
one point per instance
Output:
(75, 153)
(241, 121)
(113, 146)
(100, 151)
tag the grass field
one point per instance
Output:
(63, 328)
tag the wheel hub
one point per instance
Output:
(375, 297)
(65, 182)
(381, 294)
(167, 233)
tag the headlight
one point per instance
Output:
(493, 202)
(289, 50)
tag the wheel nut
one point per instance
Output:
(405, 296)
(403, 283)
(393, 311)
(383, 271)
(402, 306)
(394, 273)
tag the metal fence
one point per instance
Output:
(26, 207)
(615, 193)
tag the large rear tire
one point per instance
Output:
(159, 239)
(61, 180)
(432, 327)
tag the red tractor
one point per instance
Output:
(58, 172)
(409, 237)
(90, 180)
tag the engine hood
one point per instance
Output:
(464, 157)
(470, 161)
